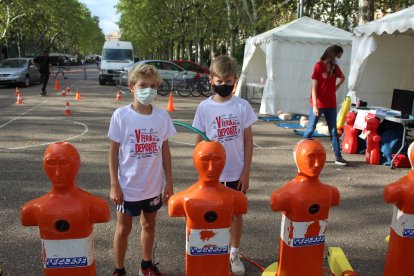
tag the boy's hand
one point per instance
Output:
(168, 192)
(243, 184)
(116, 194)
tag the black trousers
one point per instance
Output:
(45, 79)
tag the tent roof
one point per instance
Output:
(400, 21)
(305, 30)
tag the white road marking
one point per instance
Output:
(15, 118)
(257, 146)
(48, 143)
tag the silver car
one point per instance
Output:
(175, 77)
(18, 71)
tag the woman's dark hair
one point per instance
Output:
(329, 57)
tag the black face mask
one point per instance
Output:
(223, 90)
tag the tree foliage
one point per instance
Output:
(61, 25)
(191, 29)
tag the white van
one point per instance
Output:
(115, 56)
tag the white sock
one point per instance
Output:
(234, 250)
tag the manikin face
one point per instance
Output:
(310, 157)
(209, 159)
(61, 163)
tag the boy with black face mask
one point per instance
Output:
(228, 120)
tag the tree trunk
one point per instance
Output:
(18, 45)
(366, 11)
(232, 47)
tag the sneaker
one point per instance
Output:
(237, 267)
(341, 161)
(150, 271)
(119, 272)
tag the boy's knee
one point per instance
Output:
(123, 230)
(147, 225)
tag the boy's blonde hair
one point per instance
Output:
(223, 66)
(143, 71)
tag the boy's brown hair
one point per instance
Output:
(143, 71)
(223, 66)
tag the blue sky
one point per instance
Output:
(105, 10)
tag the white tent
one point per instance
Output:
(285, 57)
(383, 58)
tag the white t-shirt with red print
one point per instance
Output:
(140, 171)
(225, 122)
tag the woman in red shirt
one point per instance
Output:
(323, 96)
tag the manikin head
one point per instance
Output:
(61, 163)
(209, 159)
(372, 124)
(350, 118)
(310, 157)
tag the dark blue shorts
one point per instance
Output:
(134, 208)
(232, 185)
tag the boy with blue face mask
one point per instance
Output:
(139, 165)
(228, 119)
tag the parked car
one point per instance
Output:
(192, 66)
(18, 71)
(173, 75)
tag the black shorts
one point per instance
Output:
(134, 208)
(232, 185)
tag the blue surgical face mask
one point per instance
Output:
(337, 60)
(145, 95)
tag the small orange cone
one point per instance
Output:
(19, 98)
(118, 96)
(170, 106)
(57, 87)
(17, 91)
(67, 109)
(77, 95)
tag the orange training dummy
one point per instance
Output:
(401, 244)
(208, 206)
(373, 153)
(305, 202)
(65, 215)
(350, 141)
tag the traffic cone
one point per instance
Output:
(68, 89)
(67, 109)
(63, 92)
(57, 87)
(118, 96)
(77, 95)
(19, 98)
(17, 91)
(170, 106)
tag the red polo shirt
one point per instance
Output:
(326, 89)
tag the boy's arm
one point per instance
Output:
(166, 162)
(248, 155)
(198, 138)
(115, 193)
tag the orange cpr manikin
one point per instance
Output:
(350, 141)
(65, 215)
(305, 202)
(208, 207)
(400, 253)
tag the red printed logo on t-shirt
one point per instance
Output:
(146, 143)
(227, 126)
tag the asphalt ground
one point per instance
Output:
(358, 225)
